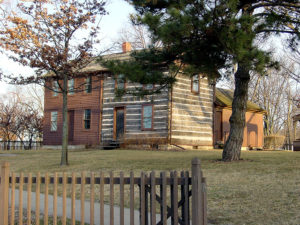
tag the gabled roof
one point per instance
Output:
(224, 98)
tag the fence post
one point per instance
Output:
(4, 192)
(197, 199)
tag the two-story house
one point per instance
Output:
(181, 116)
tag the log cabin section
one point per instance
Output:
(191, 124)
(133, 120)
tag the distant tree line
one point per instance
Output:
(21, 119)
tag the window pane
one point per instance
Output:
(71, 86)
(120, 81)
(87, 124)
(87, 114)
(149, 86)
(148, 111)
(88, 85)
(87, 118)
(147, 117)
(55, 88)
(53, 121)
(147, 123)
(195, 83)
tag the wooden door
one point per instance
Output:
(218, 126)
(119, 123)
(71, 125)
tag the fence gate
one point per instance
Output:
(174, 198)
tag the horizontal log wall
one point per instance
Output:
(192, 114)
(133, 114)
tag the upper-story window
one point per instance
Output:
(53, 121)
(120, 82)
(195, 84)
(71, 88)
(147, 117)
(55, 88)
(88, 85)
(148, 87)
(87, 119)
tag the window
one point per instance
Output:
(195, 84)
(87, 119)
(148, 87)
(120, 82)
(53, 121)
(71, 86)
(88, 85)
(147, 117)
(55, 88)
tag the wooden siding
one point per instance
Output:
(78, 102)
(253, 132)
(192, 113)
(133, 114)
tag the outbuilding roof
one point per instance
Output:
(224, 98)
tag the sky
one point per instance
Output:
(111, 24)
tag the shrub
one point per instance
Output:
(274, 141)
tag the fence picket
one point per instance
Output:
(121, 198)
(131, 198)
(64, 199)
(175, 198)
(73, 194)
(82, 197)
(142, 199)
(146, 202)
(29, 183)
(204, 197)
(46, 199)
(111, 202)
(92, 198)
(37, 198)
(153, 198)
(55, 199)
(163, 195)
(4, 193)
(21, 199)
(101, 198)
(186, 209)
(12, 200)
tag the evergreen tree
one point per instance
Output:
(204, 36)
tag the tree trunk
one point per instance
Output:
(64, 151)
(232, 148)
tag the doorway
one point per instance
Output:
(119, 123)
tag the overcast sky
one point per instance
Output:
(111, 24)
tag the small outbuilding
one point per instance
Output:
(253, 131)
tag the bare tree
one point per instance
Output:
(20, 119)
(55, 38)
(275, 93)
(137, 35)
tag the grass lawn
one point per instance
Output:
(263, 188)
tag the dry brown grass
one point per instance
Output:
(264, 188)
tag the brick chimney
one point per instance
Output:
(126, 47)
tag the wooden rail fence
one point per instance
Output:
(185, 204)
